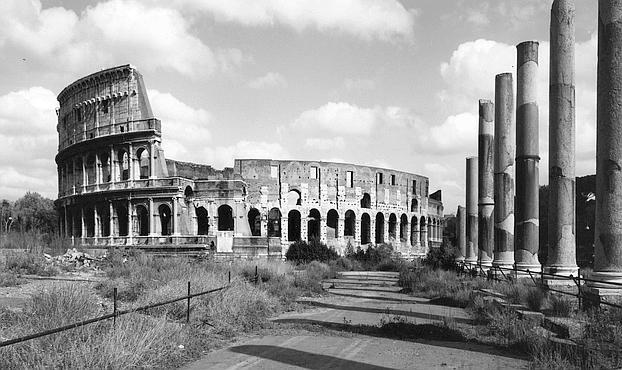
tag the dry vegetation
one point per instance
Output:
(599, 347)
(159, 337)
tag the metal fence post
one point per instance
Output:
(114, 307)
(188, 311)
(256, 275)
(229, 276)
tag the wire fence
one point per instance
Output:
(116, 313)
(539, 278)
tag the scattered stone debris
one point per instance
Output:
(74, 258)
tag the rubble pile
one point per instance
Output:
(74, 258)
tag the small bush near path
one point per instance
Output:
(303, 252)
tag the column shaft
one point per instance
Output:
(608, 233)
(527, 222)
(461, 231)
(486, 202)
(504, 171)
(561, 219)
(471, 210)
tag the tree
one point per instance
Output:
(32, 212)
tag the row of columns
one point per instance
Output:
(515, 240)
(68, 221)
(114, 167)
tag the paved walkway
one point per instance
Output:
(359, 302)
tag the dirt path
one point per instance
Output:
(359, 302)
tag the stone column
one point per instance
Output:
(96, 223)
(323, 229)
(608, 233)
(471, 210)
(175, 217)
(504, 171)
(561, 228)
(82, 225)
(527, 157)
(340, 228)
(130, 212)
(152, 218)
(461, 231)
(486, 175)
(112, 232)
(152, 160)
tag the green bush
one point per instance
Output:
(30, 264)
(440, 258)
(303, 252)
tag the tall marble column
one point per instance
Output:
(471, 209)
(504, 171)
(608, 233)
(486, 175)
(561, 227)
(461, 231)
(527, 222)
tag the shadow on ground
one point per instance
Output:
(303, 359)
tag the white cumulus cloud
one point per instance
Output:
(270, 79)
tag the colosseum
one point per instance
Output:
(117, 189)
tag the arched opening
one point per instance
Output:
(104, 159)
(104, 220)
(414, 231)
(124, 165)
(143, 162)
(202, 221)
(225, 218)
(403, 227)
(91, 173)
(414, 205)
(332, 220)
(349, 224)
(274, 223)
(142, 220)
(392, 226)
(423, 228)
(430, 229)
(188, 193)
(254, 221)
(366, 201)
(89, 219)
(293, 225)
(365, 229)
(313, 224)
(70, 180)
(294, 198)
(78, 172)
(77, 223)
(122, 224)
(165, 219)
(379, 228)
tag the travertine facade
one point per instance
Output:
(117, 189)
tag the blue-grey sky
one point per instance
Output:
(381, 82)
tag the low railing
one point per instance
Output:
(499, 273)
(126, 184)
(111, 129)
(116, 313)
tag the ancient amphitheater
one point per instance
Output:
(116, 188)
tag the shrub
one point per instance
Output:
(303, 252)
(440, 258)
(561, 306)
(536, 298)
(29, 263)
(9, 279)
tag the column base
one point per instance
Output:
(533, 268)
(595, 295)
(485, 265)
(460, 259)
(471, 262)
(563, 271)
(606, 277)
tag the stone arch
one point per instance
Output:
(294, 198)
(103, 211)
(91, 170)
(274, 222)
(332, 227)
(104, 160)
(78, 177)
(225, 218)
(349, 224)
(89, 220)
(403, 227)
(202, 221)
(164, 212)
(414, 205)
(365, 228)
(254, 221)
(392, 226)
(124, 165)
(379, 228)
(142, 156)
(188, 193)
(142, 218)
(414, 230)
(293, 225)
(366, 201)
(313, 224)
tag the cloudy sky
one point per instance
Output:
(381, 82)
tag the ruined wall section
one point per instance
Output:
(332, 185)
